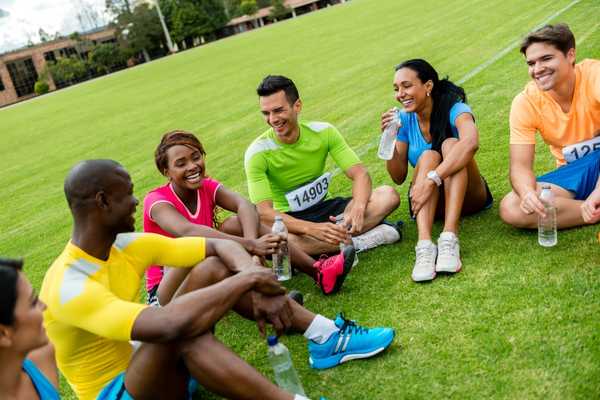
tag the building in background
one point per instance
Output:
(21, 68)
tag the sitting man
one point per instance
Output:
(285, 169)
(92, 314)
(563, 105)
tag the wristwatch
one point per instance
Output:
(433, 175)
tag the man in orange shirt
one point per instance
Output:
(562, 103)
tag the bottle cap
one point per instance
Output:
(278, 218)
(272, 340)
(546, 186)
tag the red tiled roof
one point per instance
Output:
(264, 12)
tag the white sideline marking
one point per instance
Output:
(361, 151)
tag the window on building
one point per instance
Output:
(23, 75)
(1, 84)
(49, 56)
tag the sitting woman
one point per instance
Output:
(27, 358)
(185, 206)
(438, 137)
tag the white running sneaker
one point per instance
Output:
(381, 234)
(424, 269)
(448, 259)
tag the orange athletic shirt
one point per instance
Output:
(534, 110)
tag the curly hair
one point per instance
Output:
(174, 138)
(181, 138)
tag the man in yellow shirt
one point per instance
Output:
(562, 103)
(92, 314)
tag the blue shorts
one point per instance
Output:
(579, 177)
(115, 390)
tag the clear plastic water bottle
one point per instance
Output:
(285, 374)
(281, 258)
(388, 138)
(547, 235)
(338, 221)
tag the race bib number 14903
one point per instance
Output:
(310, 194)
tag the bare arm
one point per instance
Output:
(245, 210)
(169, 219)
(464, 150)
(522, 177)
(326, 231)
(195, 312)
(361, 192)
(397, 167)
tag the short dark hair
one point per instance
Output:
(9, 276)
(174, 138)
(274, 83)
(559, 36)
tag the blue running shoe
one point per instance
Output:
(351, 342)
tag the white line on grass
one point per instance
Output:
(361, 151)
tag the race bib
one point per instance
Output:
(578, 150)
(310, 194)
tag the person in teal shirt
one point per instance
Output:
(285, 170)
(27, 358)
(439, 138)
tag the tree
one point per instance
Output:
(44, 36)
(118, 7)
(140, 30)
(249, 7)
(107, 57)
(88, 15)
(67, 70)
(279, 9)
(195, 18)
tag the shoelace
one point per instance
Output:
(351, 327)
(424, 256)
(369, 241)
(447, 246)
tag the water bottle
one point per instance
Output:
(388, 138)
(285, 374)
(547, 235)
(339, 219)
(281, 259)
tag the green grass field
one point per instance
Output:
(520, 321)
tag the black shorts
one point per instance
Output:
(489, 201)
(321, 212)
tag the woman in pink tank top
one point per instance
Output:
(185, 206)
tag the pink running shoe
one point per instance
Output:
(333, 270)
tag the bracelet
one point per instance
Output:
(433, 175)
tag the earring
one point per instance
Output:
(428, 94)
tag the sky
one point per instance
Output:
(26, 17)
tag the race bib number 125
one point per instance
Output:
(310, 194)
(575, 151)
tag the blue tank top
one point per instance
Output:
(42, 385)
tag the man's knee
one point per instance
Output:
(387, 196)
(210, 270)
(510, 212)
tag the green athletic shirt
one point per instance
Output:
(274, 168)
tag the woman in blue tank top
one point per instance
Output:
(27, 358)
(438, 137)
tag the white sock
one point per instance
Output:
(298, 397)
(425, 242)
(320, 329)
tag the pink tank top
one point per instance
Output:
(165, 194)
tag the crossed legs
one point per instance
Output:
(160, 371)
(382, 202)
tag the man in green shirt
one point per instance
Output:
(285, 168)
